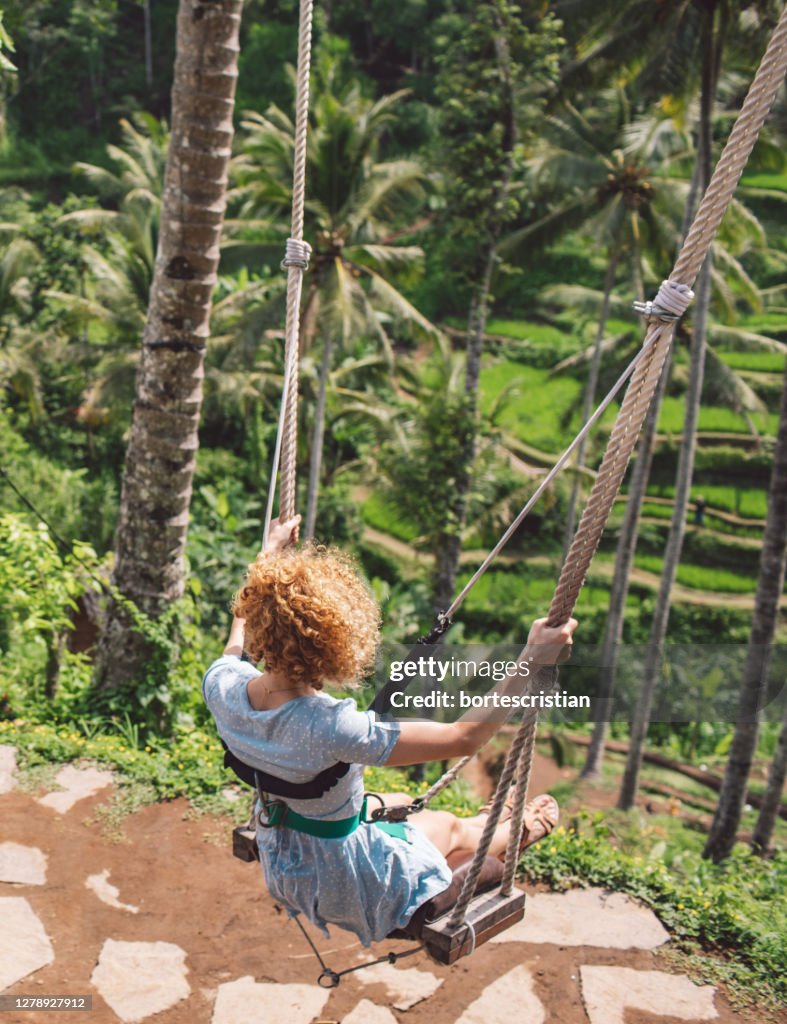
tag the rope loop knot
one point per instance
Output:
(671, 302)
(296, 254)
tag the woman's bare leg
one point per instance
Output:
(456, 836)
(452, 835)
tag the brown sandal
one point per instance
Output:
(543, 811)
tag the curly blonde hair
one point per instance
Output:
(309, 615)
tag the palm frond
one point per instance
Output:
(725, 387)
(586, 300)
(381, 194)
(18, 260)
(93, 219)
(104, 181)
(735, 278)
(584, 356)
(542, 232)
(381, 258)
(737, 339)
(398, 305)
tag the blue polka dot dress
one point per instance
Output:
(368, 882)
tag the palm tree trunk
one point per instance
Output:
(692, 199)
(148, 46)
(318, 435)
(672, 553)
(642, 712)
(624, 559)
(161, 453)
(627, 543)
(770, 584)
(590, 393)
(763, 831)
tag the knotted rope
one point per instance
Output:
(670, 303)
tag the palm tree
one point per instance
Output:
(19, 344)
(716, 24)
(117, 270)
(357, 215)
(613, 197)
(7, 71)
(160, 459)
(770, 585)
(763, 830)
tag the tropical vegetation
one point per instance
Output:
(489, 186)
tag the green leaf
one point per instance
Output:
(222, 505)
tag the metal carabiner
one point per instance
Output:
(270, 807)
(400, 813)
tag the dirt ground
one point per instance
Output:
(190, 891)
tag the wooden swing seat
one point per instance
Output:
(488, 913)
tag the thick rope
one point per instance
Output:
(522, 781)
(276, 456)
(672, 300)
(671, 297)
(493, 819)
(610, 476)
(452, 773)
(296, 261)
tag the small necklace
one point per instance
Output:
(284, 689)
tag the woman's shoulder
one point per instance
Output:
(224, 674)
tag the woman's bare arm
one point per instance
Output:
(437, 741)
(280, 536)
(234, 643)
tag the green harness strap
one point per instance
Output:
(282, 816)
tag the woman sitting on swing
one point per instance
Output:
(310, 618)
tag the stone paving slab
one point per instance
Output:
(406, 986)
(138, 979)
(587, 917)
(7, 768)
(24, 943)
(245, 1001)
(22, 865)
(367, 1012)
(108, 893)
(511, 999)
(77, 784)
(609, 991)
